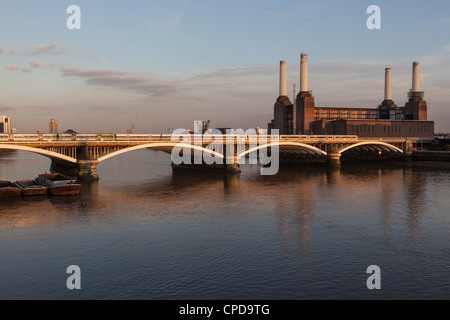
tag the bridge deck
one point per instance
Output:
(84, 151)
(98, 147)
(39, 141)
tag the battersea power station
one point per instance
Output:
(387, 120)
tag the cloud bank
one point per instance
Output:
(34, 50)
(39, 64)
(142, 83)
(13, 67)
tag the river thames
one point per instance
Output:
(145, 231)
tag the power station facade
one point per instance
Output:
(387, 120)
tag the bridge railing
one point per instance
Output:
(30, 138)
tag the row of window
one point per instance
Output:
(363, 128)
(332, 114)
(392, 128)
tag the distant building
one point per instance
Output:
(5, 124)
(387, 120)
(53, 126)
(70, 131)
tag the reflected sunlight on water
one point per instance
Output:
(146, 232)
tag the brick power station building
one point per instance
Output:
(387, 120)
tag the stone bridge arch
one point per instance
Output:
(49, 154)
(303, 146)
(164, 146)
(370, 143)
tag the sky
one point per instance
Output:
(164, 64)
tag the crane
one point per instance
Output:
(130, 131)
(205, 126)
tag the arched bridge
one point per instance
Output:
(80, 154)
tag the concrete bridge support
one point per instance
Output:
(231, 164)
(334, 159)
(83, 170)
(88, 170)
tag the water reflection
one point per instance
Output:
(414, 186)
(258, 229)
(388, 193)
(294, 192)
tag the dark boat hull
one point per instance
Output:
(7, 189)
(35, 191)
(10, 192)
(59, 185)
(65, 190)
(31, 188)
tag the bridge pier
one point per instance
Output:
(84, 169)
(88, 170)
(334, 159)
(232, 164)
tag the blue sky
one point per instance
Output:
(173, 62)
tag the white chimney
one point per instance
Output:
(283, 86)
(387, 85)
(416, 77)
(303, 72)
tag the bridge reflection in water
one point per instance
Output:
(303, 226)
(79, 155)
(296, 196)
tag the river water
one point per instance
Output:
(145, 231)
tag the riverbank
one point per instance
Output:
(441, 156)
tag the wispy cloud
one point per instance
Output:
(165, 23)
(14, 67)
(284, 14)
(440, 22)
(235, 72)
(142, 83)
(34, 50)
(5, 108)
(104, 59)
(40, 64)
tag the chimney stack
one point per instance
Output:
(303, 72)
(416, 77)
(283, 86)
(387, 85)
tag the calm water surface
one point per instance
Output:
(145, 231)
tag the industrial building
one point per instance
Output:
(5, 124)
(386, 120)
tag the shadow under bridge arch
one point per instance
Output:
(42, 152)
(162, 146)
(288, 147)
(381, 145)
